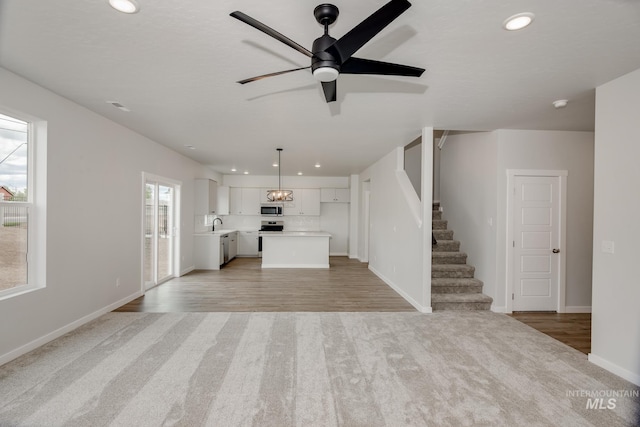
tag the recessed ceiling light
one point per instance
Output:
(299, 173)
(317, 165)
(560, 103)
(234, 170)
(125, 6)
(246, 172)
(518, 22)
(275, 164)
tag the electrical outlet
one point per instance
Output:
(608, 246)
(117, 282)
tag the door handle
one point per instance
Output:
(556, 251)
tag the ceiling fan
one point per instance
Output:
(331, 57)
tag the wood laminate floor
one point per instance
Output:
(573, 329)
(242, 285)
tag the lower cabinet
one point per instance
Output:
(248, 243)
(210, 250)
(207, 252)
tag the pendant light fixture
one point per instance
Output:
(279, 195)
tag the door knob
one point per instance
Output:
(555, 251)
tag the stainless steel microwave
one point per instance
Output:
(271, 210)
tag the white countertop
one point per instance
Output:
(215, 233)
(295, 234)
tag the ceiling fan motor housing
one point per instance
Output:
(321, 58)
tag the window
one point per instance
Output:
(17, 208)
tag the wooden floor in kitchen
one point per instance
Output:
(242, 285)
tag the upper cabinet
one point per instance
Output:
(223, 201)
(334, 195)
(206, 195)
(263, 195)
(306, 201)
(244, 201)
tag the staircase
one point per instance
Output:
(453, 286)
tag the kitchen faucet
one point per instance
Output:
(213, 227)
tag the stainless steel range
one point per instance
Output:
(268, 227)
(271, 226)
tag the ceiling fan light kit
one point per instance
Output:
(325, 74)
(331, 57)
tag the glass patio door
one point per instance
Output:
(159, 232)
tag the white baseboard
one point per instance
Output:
(187, 270)
(615, 369)
(38, 342)
(577, 309)
(403, 294)
(295, 265)
(338, 254)
(498, 309)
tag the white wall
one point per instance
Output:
(94, 211)
(473, 190)
(615, 336)
(553, 150)
(396, 252)
(468, 179)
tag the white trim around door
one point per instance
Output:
(173, 231)
(512, 175)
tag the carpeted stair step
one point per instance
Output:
(456, 286)
(446, 246)
(439, 224)
(448, 258)
(436, 215)
(452, 271)
(443, 234)
(473, 301)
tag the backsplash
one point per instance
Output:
(252, 222)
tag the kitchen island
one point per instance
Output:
(295, 249)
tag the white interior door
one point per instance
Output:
(536, 243)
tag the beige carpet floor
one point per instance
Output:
(310, 369)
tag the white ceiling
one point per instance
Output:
(175, 64)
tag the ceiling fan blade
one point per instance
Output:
(364, 31)
(368, 66)
(271, 32)
(329, 89)
(264, 76)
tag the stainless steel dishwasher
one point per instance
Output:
(225, 248)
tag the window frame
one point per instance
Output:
(35, 204)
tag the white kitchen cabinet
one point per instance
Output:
(207, 251)
(206, 195)
(223, 201)
(306, 201)
(335, 195)
(263, 194)
(244, 201)
(248, 243)
(233, 245)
